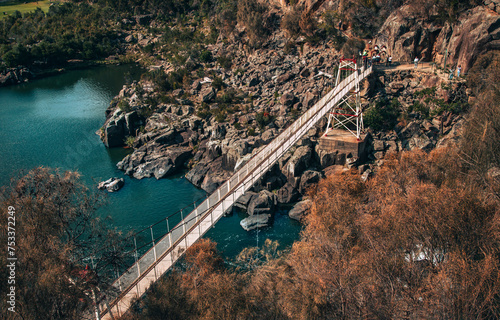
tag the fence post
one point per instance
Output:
(136, 259)
(117, 275)
(169, 234)
(154, 249)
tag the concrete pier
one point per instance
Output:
(344, 142)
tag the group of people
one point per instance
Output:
(452, 72)
(375, 56)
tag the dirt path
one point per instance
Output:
(427, 67)
(422, 67)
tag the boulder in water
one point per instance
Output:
(255, 221)
(112, 184)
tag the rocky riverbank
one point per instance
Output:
(13, 76)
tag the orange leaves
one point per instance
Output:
(389, 247)
(420, 240)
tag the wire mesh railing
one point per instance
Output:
(168, 248)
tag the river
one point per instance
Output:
(52, 122)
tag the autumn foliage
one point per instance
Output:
(420, 240)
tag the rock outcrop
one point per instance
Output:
(263, 202)
(477, 32)
(14, 76)
(119, 126)
(300, 209)
(111, 185)
(256, 221)
(405, 36)
(155, 160)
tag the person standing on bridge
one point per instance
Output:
(389, 61)
(416, 62)
(365, 58)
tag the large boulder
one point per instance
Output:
(207, 94)
(243, 201)
(287, 99)
(288, 194)
(112, 184)
(300, 209)
(264, 202)
(326, 157)
(308, 179)
(119, 126)
(298, 163)
(197, 174)
(114, 133)
(208, 175)
(157, 161)
(235, 154)
(255, 221)
(309, 100)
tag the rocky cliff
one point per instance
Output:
(476, 31)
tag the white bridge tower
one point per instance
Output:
(347, 113)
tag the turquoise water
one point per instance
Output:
(52, 122)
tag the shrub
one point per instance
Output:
(225, 62)
(124, 106)
(129, 141)
(352, 47)
(382, 116)
(421, 108)
(218, 83)
(290, 23)
(220, 117)
(206, 56)
(263, 119)
(252, 15)
(307, 23)
(481, 138)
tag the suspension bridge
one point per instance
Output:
(169, 248)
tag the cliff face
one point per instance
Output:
(476, 31)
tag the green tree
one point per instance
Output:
(383, 115)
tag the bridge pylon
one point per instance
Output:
(347, 113)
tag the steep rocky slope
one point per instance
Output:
(477, 31)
